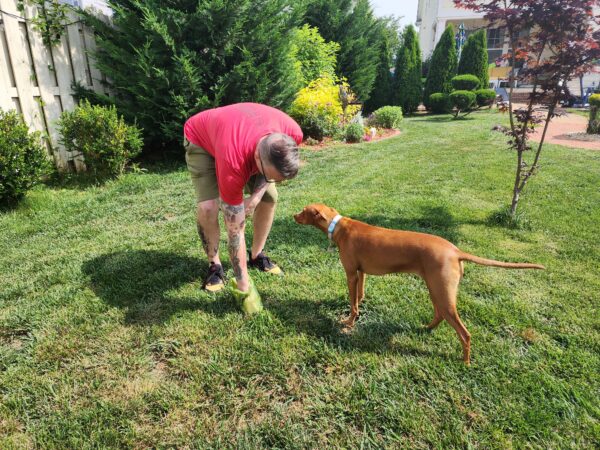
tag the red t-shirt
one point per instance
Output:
(230, 134)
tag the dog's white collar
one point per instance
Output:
(332, 226)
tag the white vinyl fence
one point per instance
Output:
(36, 79)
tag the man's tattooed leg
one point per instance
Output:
(203, 238)
(234, 247)
(210, 248)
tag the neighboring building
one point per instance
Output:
(433, 16)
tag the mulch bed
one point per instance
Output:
(579, 137)
(328, 142)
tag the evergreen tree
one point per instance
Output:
(474, 58)
(167, 60)
(382, 93)
(407, 74)
(351, 24)
(443, 66)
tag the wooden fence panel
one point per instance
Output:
(36, 79)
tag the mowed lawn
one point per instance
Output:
(106, 340)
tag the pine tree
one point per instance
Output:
(351, 24)
(167, 60)
(382, 93)
(407, 74)
(443, 66)
(474, 58)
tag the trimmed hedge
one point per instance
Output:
(463, 100)
(466, 82)
(485, 97)
(440, 103)
(594, 121)
(387, 117)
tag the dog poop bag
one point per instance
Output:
(251, 302)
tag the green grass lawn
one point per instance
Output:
(580, 112)
(106, 340)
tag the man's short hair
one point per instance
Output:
(281, 151)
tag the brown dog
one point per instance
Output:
(377, 251)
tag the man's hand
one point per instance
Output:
(250, 203)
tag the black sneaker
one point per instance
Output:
(263, 263)
(215, 280)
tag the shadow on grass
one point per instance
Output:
(321, 319)
(139, 281)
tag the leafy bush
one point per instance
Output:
(105, 140)
(316, 125)
(594, 121)
(594, 100)
(463, 100)
(354, 132)
(466, 82)
(485, 97)
(317, 108)
(312, 55)
(387, 117)
(440, 103)
(23, 159)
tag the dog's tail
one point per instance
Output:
(490, 262)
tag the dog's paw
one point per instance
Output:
(347, 330)
(348, 324)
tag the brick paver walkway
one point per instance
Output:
(561, 126)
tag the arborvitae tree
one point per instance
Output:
(474, 58)
(167, 60)
(351, 24)
(443, 66)
(382, 93)
(407, 75)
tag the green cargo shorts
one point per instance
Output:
(201, 165)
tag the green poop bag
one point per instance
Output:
(250, 301)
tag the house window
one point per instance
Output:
(495, 38)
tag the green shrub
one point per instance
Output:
(315, 125)
(485, 97)
(466, 82)
(317, 108)
(23, 160)
(594, 100)
(439, 103)
(354, 132)
(105, 140)
(594, 121)
(387, 117)
(462, 100)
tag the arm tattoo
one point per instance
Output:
(230, 211)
